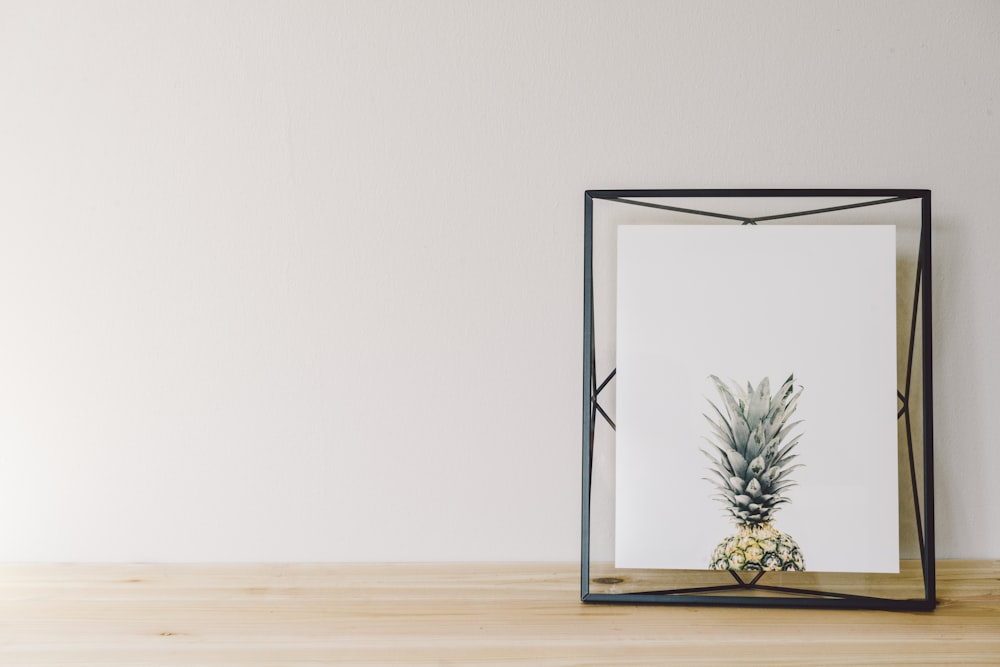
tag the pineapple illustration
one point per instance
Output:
(751, 445)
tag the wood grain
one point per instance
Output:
(461, 614)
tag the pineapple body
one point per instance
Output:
(758, 547)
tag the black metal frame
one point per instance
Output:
(921, 303)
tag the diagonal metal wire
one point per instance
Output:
(906, 415)
(751, 220)
(597, 406)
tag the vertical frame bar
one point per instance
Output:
(930, 573)
(588, 393)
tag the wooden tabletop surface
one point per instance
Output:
(459, 614)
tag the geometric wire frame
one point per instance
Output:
(914, 588)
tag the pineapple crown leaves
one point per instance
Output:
(751, 447)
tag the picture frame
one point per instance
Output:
(665, 276)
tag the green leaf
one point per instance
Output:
(737, 419)
(784, 486)
(738, 463)
(780, 396)
(722, 420)
(755, 443)
(760, 403)
(722, 483)
(718, 441)
(741, 433)
(737, 484)
(786, 471)
(723, 434)
(727, 499)
(782, 453)
(722, 462)
(727, 397)
(786, 412)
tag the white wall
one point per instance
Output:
(302, 280)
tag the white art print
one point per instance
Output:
(775, 342)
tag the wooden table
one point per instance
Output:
(469, 614)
